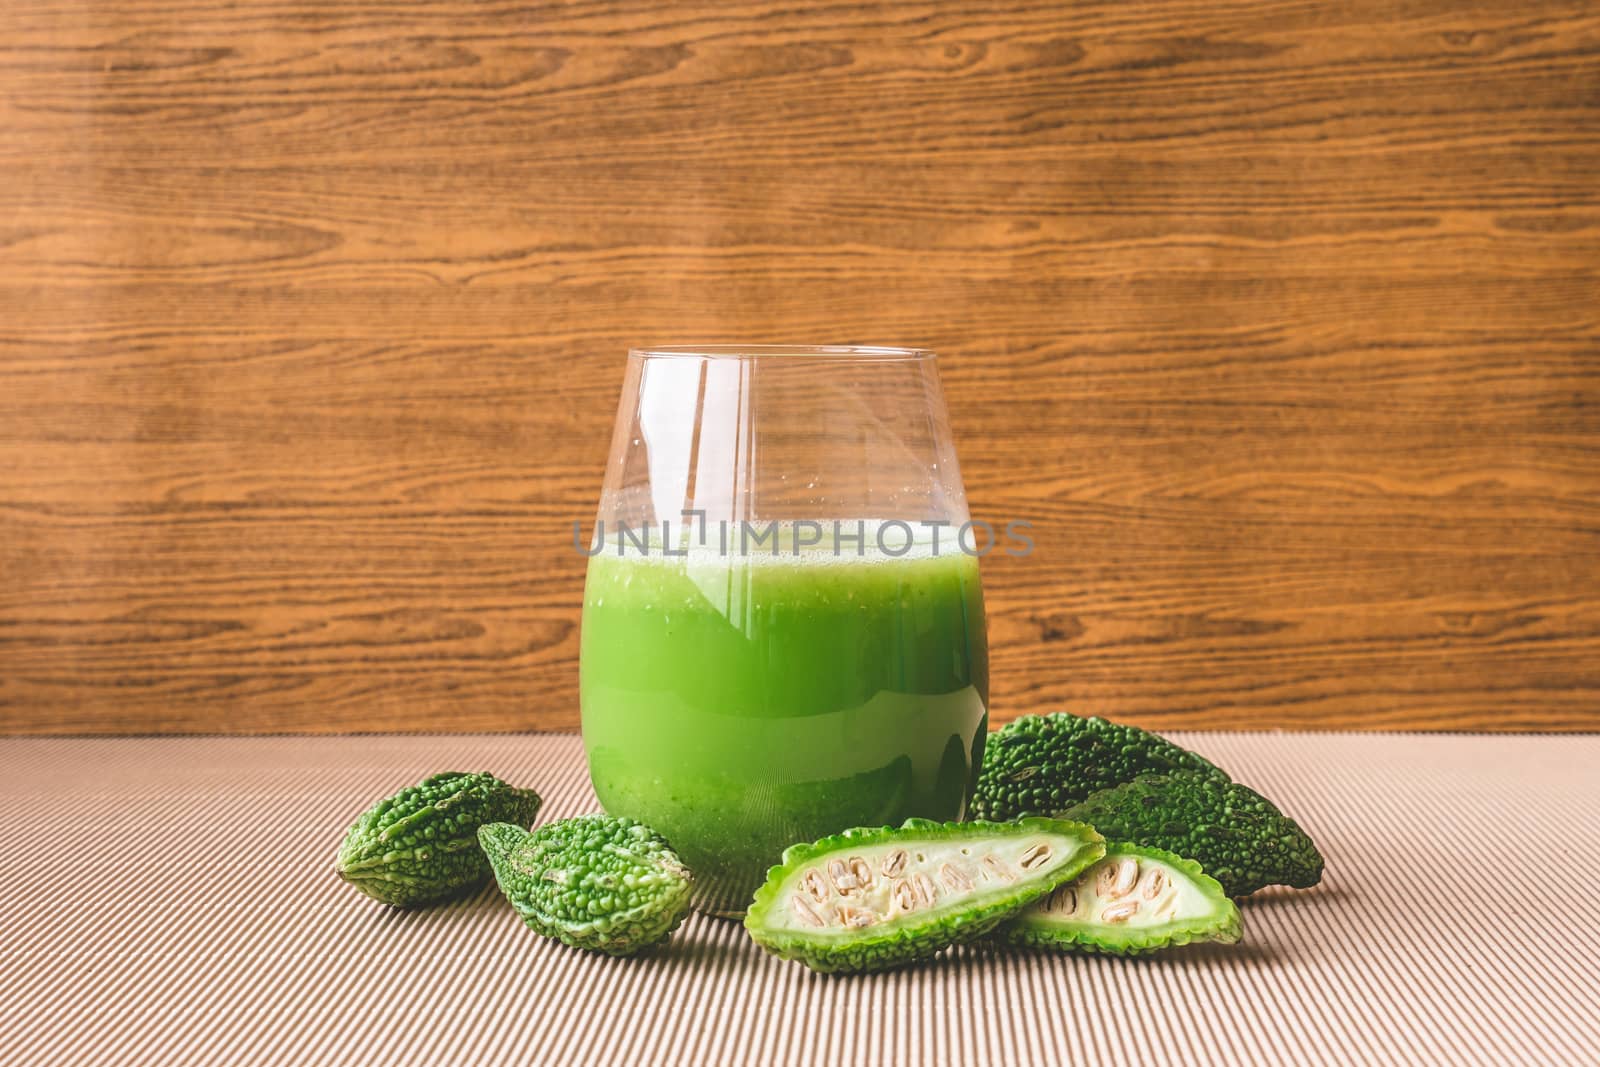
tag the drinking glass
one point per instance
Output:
(783, 629)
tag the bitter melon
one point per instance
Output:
(1135, 900)
(1237, 835)
(868, 899)
(594, 882)
(1044, 764)
(420, 846)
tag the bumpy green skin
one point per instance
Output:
(914, 937)
(1044, 764)
(1036, 929)
(594, 882)
(420, 846)
(1237, 835)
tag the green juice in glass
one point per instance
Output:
(741, 703)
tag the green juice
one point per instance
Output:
(739, 704)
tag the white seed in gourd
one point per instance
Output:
(1064, 900)
(855, 918)
(923, 885)
(862, 872)
(1000, 870)
(1127, 876)
(816, 885)
(954, 877)
(1104, 876)
(1036, 856)
(843, 880)
(805, 912)
(894, 863)
(904, 895)
(1120, 913)
(1155, 880)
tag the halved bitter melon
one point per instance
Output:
(873, 898)
(1133, 900)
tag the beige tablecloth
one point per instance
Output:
(172, 900)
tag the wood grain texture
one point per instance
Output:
(1279, 320)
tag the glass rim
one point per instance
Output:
(886, 353)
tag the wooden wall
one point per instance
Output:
(1280, 320)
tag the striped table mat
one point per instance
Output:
(170, 900)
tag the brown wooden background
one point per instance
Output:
(1281, 321)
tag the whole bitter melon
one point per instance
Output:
(420, 846)
(1043, 764)
(1237, 835)
(869, 899)
(593, 882)
(1135, 900)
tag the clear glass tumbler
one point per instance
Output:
(783, 629)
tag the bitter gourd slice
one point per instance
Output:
(420, 846)
(1134, 900)
(1043, 764)
(1237, 835)
(594, 882)
(872, 898)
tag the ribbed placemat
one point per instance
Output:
(171, 901)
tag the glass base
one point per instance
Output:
(721, 898)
